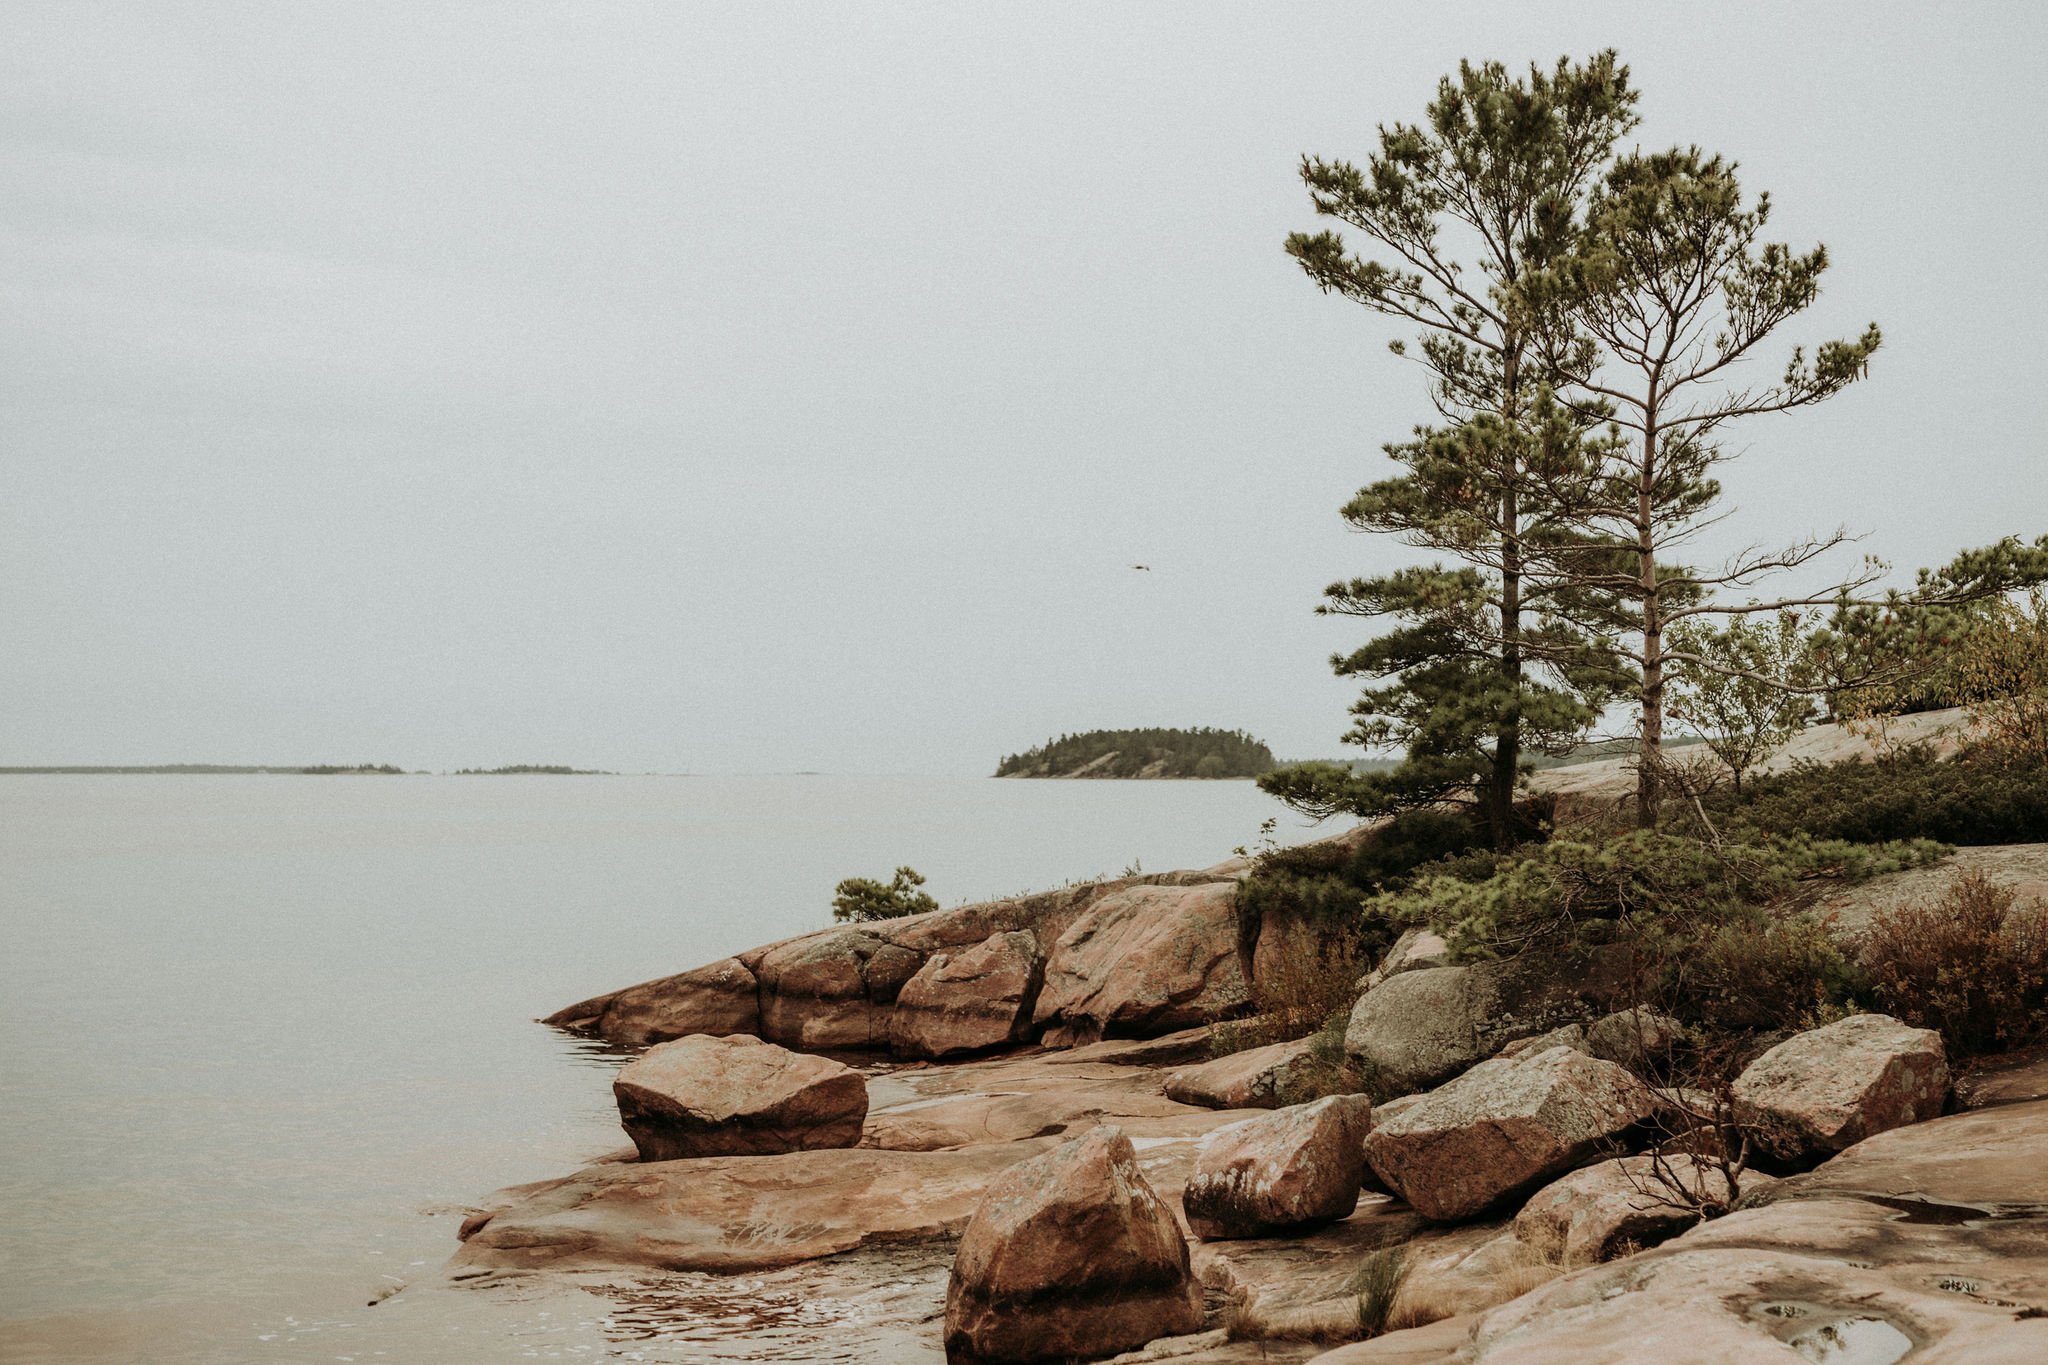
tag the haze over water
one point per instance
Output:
(263, 1038)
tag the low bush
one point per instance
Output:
(1315, 897)
(1972, 965)
(1910, 794)
(860, 900)
(1308, 984)
(1644, 886)
(1757, 972)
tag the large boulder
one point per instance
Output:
(968, 999)
(1415, 948)
(1070, 1254)
(1145, 960)
(1824, 1090)
(737, 1096)
(1292, 1168)
(1256, 1078)
(1603, 1210)
(1421, 1027)
(835, 989)
(720, 997)
(1633, 1037)
(1502, 1128)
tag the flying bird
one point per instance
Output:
(1146, 567)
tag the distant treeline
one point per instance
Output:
(1203, 752)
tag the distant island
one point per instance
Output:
(544, 769)
(1199, 753)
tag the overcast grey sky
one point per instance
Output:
(755, 387)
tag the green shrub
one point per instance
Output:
(1908, 795)
(1971, 964)
(1759, 972)
(1376, 1285)
(1644, 884)
(859, 900)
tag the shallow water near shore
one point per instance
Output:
(263, 1038)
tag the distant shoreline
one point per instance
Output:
(306, 770)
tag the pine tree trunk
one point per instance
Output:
(1507, 739)
(1651, 698)
(1507, 742)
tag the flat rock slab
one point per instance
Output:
(1020, 1095)
(1070, 1254)
(1826, 1089)
(1288, 1169)
(728, 1214)
(2022, 868)
(1502, 1128)
(737, 1096)
(1304, 1282)
(1993, 1161)
(1791, 1283)
(1440, 1341)
(1012, 1108)
(2012, 1079)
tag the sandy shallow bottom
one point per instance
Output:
(865, 1307)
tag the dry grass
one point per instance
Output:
(1428, 1298)
(1365, 1309)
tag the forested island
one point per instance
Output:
(1204, 752)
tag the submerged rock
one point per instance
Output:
(1503, 1127)
(737, 1096)
(1070, 1254)
(1292, 1168)
(1824, 1090)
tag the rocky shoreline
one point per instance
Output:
(1046, 1062)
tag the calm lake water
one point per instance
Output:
(262, 1038)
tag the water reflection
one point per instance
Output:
(588, 1049)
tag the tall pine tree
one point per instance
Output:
(1484, 192)
(1669, 291)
